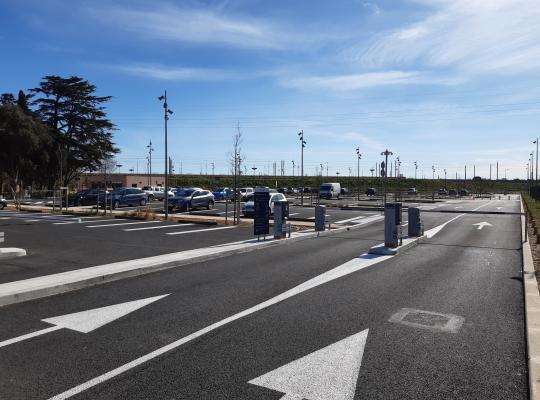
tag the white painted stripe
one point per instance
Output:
(350, 219)
(200, 230)
(89, 222)
(124, 223)
(157, 227)
(29, 335)
(32, 220)
(432, 232)
(291, 214)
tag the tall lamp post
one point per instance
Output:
(302, 145)
(150, 150)
(415, 168)
(536, 142)
(166, 113)
(359, 156)
(385, 153)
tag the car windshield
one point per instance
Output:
(184, 192)
(326, 187)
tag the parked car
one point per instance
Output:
(463, 192)
(282, 190)
(223, 193)
(412, 191)
(190, 199)
(345, 191)
(371, 192)
(442, 192)
(157, 192)
(291, 191)
(126, 197)
(330, 190)
(3, 203)
(248, 209)
(452, 192)
(244, 192)
(86, 197)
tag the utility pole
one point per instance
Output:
(489, 171)
(213, 167)
(150, 150)
(385, 153)
(497, 176)
(536, 142)
(292, 168)
(474, 170)
(433, 170)
(302, 145)
(415, 168)
(359, 156)
(166, 113)
(445, 178)
(327, 168)
(465, 172)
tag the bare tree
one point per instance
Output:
(235, 158)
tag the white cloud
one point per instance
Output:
(169, 22)
(472, 36)
(353, 82)
(373, 7)
(177, 73)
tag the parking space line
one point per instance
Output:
(89, 222)
(200, 230)
(123, 223)
(157, 227)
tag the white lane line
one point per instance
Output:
(291, 214)
(363, 261)
(200, 230)
(124, 223)
(89, 222)
(157, 227)
(5, 217)
(350, 219)
(32, 220)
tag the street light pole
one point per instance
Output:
(415, 168)
(166, 113)
(359, 156)
(303, 145)
(386, 153)
(150, 150)
(536, 142)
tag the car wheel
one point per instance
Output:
(210, 205)
(151, 197)
(142, 202)
(116, 204)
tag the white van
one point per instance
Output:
(330, 191)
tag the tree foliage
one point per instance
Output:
(78, 123)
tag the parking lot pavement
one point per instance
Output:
(214, 329)
(63, 244)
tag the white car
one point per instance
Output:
(3, 203)
(248, 209)
(244, 192)
(157, 192)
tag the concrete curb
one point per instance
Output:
(48, 285)
(532, 316)
(11, 252)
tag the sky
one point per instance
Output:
(441, 83)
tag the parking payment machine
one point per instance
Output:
(392, 224)
(279, 219)
(320, 218)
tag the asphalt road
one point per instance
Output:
(461, 334)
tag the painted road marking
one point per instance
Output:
(482, 224)
(291, 214)
(330, 373)
(157, 227)
(200, 230)
(123, 223)
(90, 222)
(432, 232)
(87, 321)
(350, 219)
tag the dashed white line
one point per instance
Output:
(124, 223)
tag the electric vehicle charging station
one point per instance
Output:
(415, 227)
(392, 224)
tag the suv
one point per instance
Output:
(3, 203)
(412, 191)
(156, 192)
(127, 197)
(442, 192)
(191, 198)
(463, 192)
(249, 207)
(223, 193)
(244, 192)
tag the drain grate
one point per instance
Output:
(428, 320)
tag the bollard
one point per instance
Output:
(320, 218)
(415, 224)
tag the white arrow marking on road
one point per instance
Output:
(329, 373)
(482, 224)
(87, 321)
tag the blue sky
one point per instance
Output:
(443, 83)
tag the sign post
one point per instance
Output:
(261, 223)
